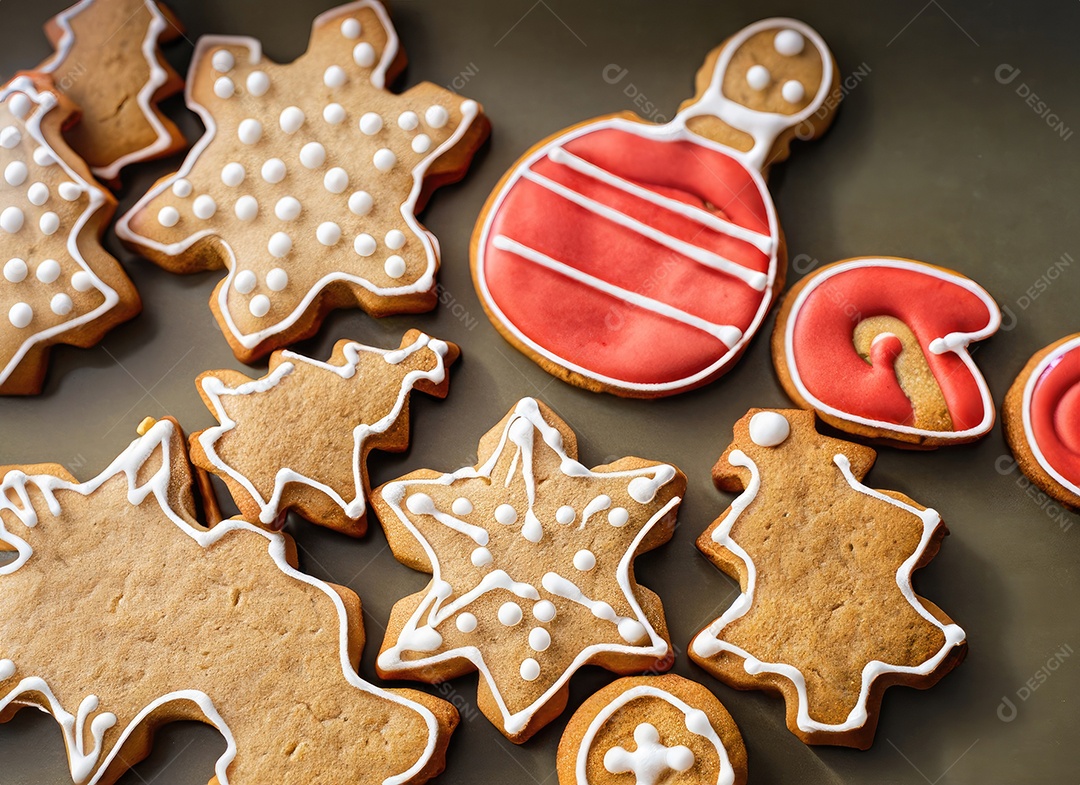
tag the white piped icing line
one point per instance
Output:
(652, 760)
(157, 77)
(88, 767)
(356, 506)
(525, 431)
(709, 643)
(1051, 359)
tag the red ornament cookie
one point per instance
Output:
(641, 259)
(878, 347)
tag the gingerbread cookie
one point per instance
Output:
(1042, 420)
(59, 284)
(189, 623)
(827, 616)
(661, 729)
(531, 556)
(307, 182)
(641, 259)
(298, 438)
(878, 347)
(108, 62)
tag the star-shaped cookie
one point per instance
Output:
(58, 285)
(121, 612)
(827, 616)
(531, 556)
(308, 180)
(107, 61)
(298, 438)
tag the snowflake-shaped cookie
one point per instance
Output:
(58, 285)
(308, 179)
(531, 556)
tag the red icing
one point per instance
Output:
(831, 369)
(598, 331)
(1055, 414)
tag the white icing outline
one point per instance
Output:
(706, 644)
(469, 111)
(157, 77)
(215, 389)
(956, 342)
(44, 102)
(393, 494)
(764, 127)
(726, 775)
(1025, 412)
(129, 462)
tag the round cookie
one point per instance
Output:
(661, 729)
(878, 347)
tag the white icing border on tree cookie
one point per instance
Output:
(130, 462)
(1025, 412)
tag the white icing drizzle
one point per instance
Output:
(1025, 412)
(88, 767)
(707, 643)
(354, 508)
(651, 760)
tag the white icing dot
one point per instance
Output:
(81, 281)
(680, 758)
(48, 271)
(384, 159)
(793, 91)
(334, 114)
(698, 722)
(15, 173)
(232, 174)
(544, 610)
(61, 304)
(49, 223)
(481, 557)
(224, 87)
(204, 206)
(277, 279)
(245, 282)
(280, 244)
(247, 207)
(421, 143)
(408, 121)
(461, 506)
(43, 156)
(584, 560)
(10, 137)
(769, 429)
(20, 315)
(182, 188)
(69, 191)
(259, 305)
(351, 29)
(258, 83)
(758, 77)
(168, 216)
(436, 116)
(510, 614)
(370, 123)
(466, 622)
(273, 170)
(11, 220)
(364, 244)
(223, 61)
(287, 208)
(539, 639)
(360, 203)
(38, 194)
(505, 514)
(631, 630)
(395, 239)
(363, 54)
(15, 270)
(530, 669)
(334, 76)
(312, 155)
(394, 266)
(788, 42)
(336, 180)
(249, 131)
(565, 515)
(292, 117)
(328, 233)
(618, 516)
(20, 105)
